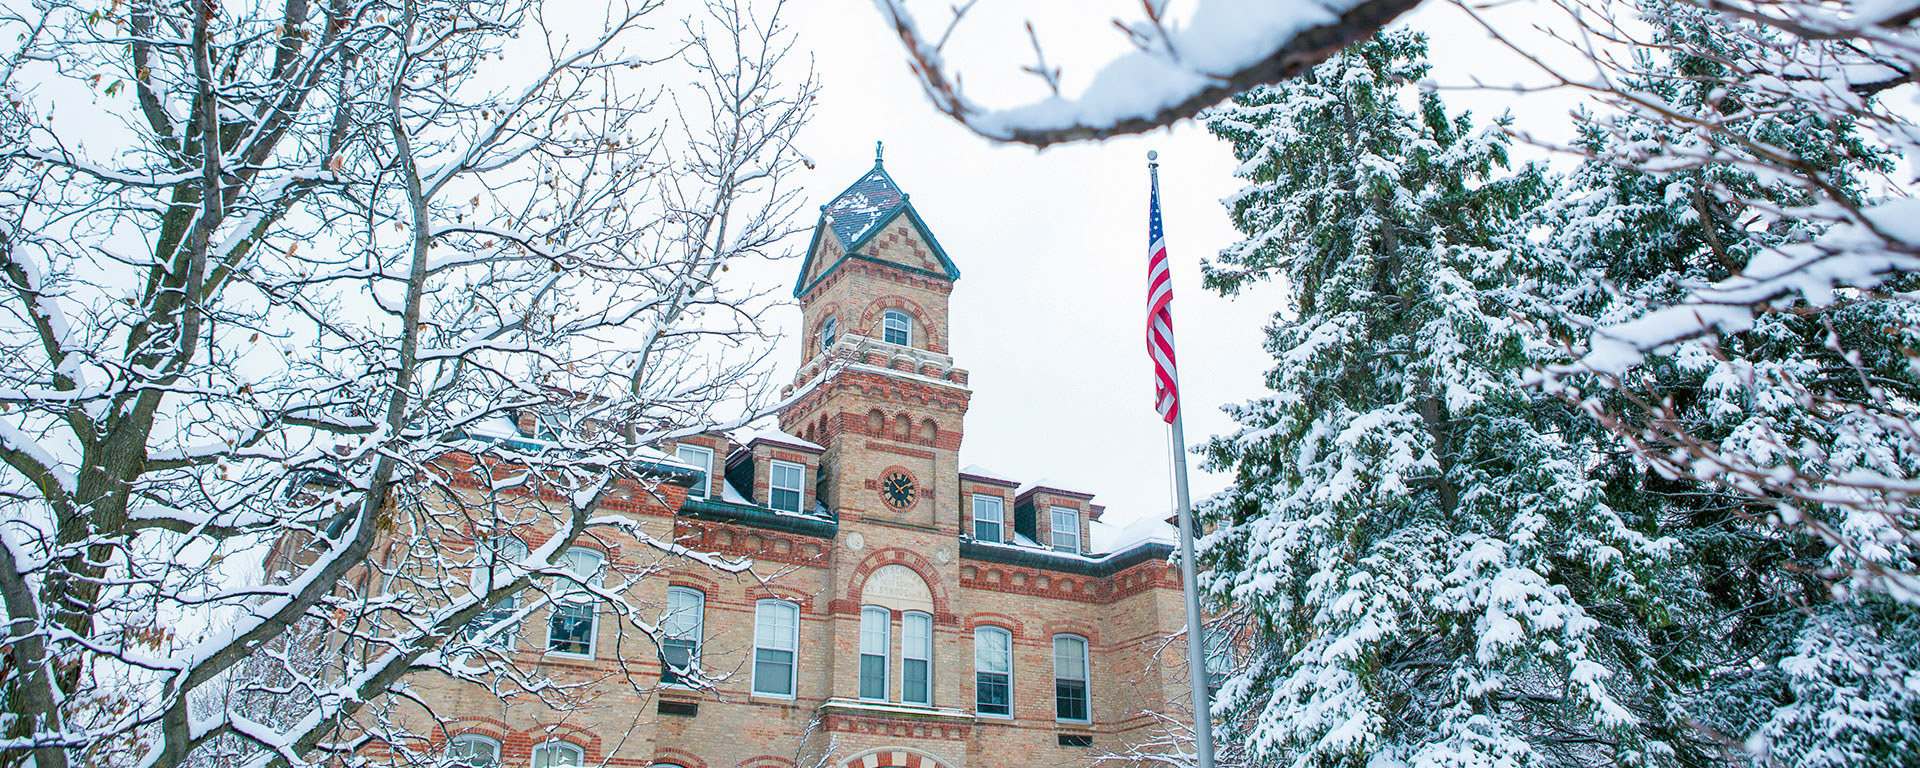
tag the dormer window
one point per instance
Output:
(896, 328)
(829, 331)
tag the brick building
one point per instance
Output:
(905, 610)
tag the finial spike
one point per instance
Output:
(879, 148)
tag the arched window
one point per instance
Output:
(916, 663)
(680, 632)
(829, 331)
(472, 750)
(929, 431)
(776, 635)
(570, 627)
(896, 328)
(876, 422)
(993, 671)
(558, 754)
(903, 426)
(1070, 678)
(876, 643)
(490, 628)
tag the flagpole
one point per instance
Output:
(1190, 585)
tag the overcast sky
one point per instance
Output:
(1048, 315)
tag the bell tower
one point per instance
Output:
(881, 394)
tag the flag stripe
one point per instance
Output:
(1166, 382)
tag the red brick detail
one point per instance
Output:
(678, 757)
(896, 757)
(870, 317)
(1013, 579)
(918, 454)
(895, 728)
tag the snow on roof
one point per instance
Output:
(1104, 537)
(1051, 486)
(773, 434)
(732, 495)
(862, 206)
(975, 470)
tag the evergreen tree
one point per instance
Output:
(1440, 580)
(1770, 652)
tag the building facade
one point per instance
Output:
(903, 610)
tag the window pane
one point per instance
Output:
(777, 622)
(828, 332)
(1069, 657)
(992, 694)
(585, 565)
(680, 629)
(873, 676)
(702, 458)
(474, 751)
(991, 649)
(502, 636)
(570, 629)
(556, 756)
(914, 688)
(773, 671)
(873, 631)
(1070, 699)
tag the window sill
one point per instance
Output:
(784, 698)
(989, 716)
(571, 656)
(1075, 725)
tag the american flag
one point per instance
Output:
(1166, 383)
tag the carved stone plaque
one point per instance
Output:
(899, 588)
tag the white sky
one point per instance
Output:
(1049, 313)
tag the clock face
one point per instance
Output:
(898, 490)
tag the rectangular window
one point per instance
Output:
(875, 644)
(916, 665)
(1070, 678)
(570, 625)
(1066, 529)
(680, 632)
(993, 671)
(775, 637)
(702, 458)
(989, 517)
(492, 560)
(784, 483)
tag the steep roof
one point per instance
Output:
(859, 213)
(863, 206)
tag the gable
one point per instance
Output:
(898, 239)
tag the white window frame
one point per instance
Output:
(905, 328)
(570, 592)
(876, 643)
(683, 602)
(999, 521)
(763, 641)
(1073, 531)
(1067, 674)
(552, 746)
(492, 555)
(490, 743)
(704, 488)
(916, 646)
(799, 489)
(980, 660)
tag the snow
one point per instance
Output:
(979, 471)
(773, 434)
(1106, 538)
(1222, 37)
(732, 495)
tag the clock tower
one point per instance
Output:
(879, 393)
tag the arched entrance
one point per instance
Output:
(894, 757)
